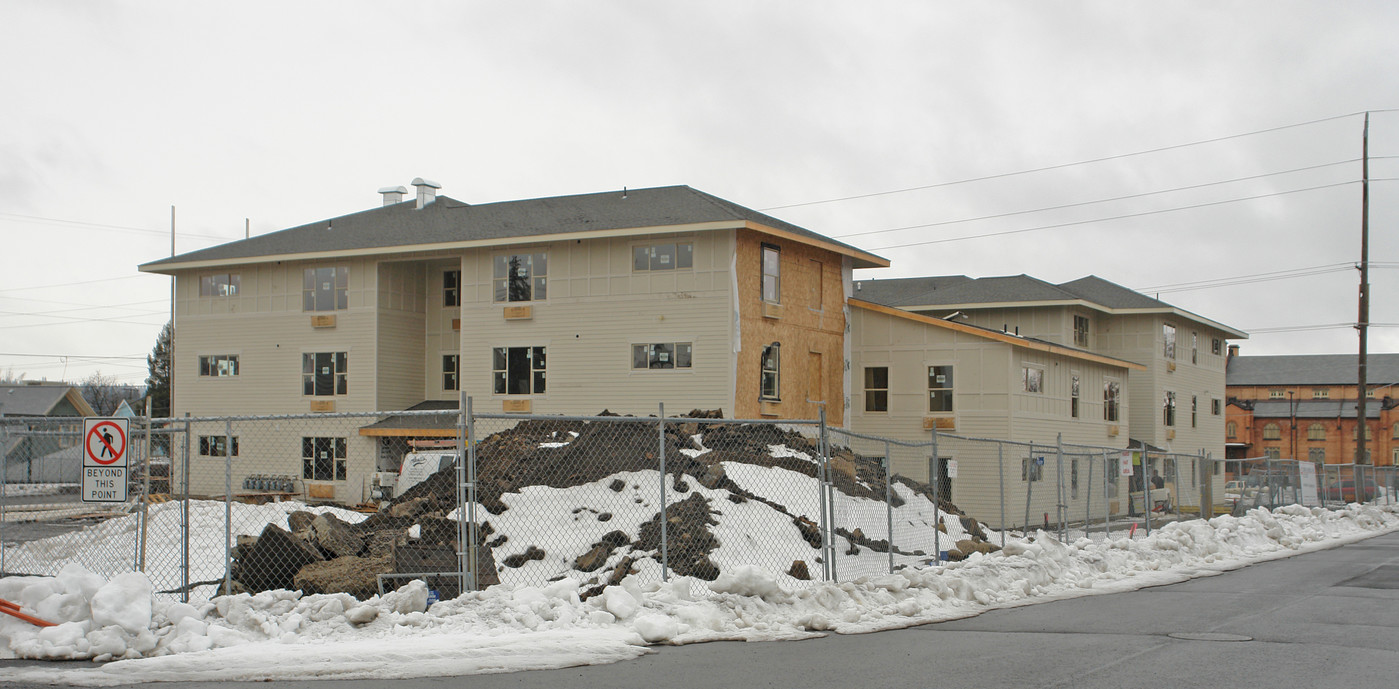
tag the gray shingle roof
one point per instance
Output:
(1312, 369)
(900, 291)
(1110, 294)
(31, 400)
(448, 220)
(1314, 409)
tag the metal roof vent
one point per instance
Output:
(427, 190)
(393, 195)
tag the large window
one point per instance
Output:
(325, 289)
(939, 388)
(221, 285)
(770, 373)
(451, 288)
(1032, 379)
(1168, 409)
(661, 355)
(325, 373)
(876, 388)
(1112, 397)
(216, 446)
(521, 277)
(772, 269)
(517, 370)
(1316, 431)
(218, 365)
(1168, 339)
(323, 459)
(663, 256)
(1081, 331)
(1369, 433)
(451, 372)
(1216, 406)
(1272, 431)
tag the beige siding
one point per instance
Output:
(596, 308)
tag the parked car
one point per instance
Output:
(1345, 490)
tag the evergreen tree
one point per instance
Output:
(158, 378)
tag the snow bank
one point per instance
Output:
(285, 635)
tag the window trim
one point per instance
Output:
(1316, 433)
(233, 285)
(950, 389)
(451, 288)
(537, 382)
(339, 295)
(776, 274)
(208, 362)
(773, 353)
(650, 357)
(452, 384)
(1026, 377)
(1112, 400)
(1168, 341)
(207, 445)
(536, 281)
(885, 390)
(340, 374)
(679, 256)
(1075, 390)
(1272, 431)
(1168, 409)
(1081, 335)
(339, 458)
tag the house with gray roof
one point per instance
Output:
(1176, 401)
(38, 420)
(1305, 406)
(618, 300)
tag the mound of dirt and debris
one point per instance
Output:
(414, 533)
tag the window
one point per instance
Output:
(877, 388)
(1073, 479)
(772, 269)
(1317, 455)
(1272, 453)
(1194, 411)
(1231, 430)
(1396, 430)
(940, 388)
(325, 289)
(1276, 394)
(221, 285)
(323, 459)
(1369, 433)
(1081, 331)
(769, 383)
(216, 446)
(1033, 379)
(1073, 397)
(451, 372)
(1316, 431)
(451, 288)
(661, 355)
(218, 365)
(1031, 469)
(1194, 347)
(517, 370)
(1112, 395)
(1272, 431)
(1216, 406)
(1216, 346)
(1168, 409)
(521, 277)
(1321, 393)
(663, 256)
(324, 373)
(1168, 339)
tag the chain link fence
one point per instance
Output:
(362, 502)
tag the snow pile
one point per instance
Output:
(285, 635)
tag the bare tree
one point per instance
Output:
(8, 377)
(105, 394)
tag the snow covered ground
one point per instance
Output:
(284, 635)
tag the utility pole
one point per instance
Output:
(1364, 322)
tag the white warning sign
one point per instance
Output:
(105, 441)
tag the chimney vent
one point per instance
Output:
(393, 195)
(427, 190)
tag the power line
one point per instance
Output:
(142, 357)
(1089, 203)
(1320, 326)
(1115, 217)
(1065, 165)
(104, 226)
(69, 284)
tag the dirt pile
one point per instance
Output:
(414, 534)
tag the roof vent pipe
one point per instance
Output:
(427, 190)
(393, 195)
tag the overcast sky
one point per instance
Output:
(283, 113)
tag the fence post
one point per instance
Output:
(1146, 488)
(466, 495)
(934, 474)
(4, 489)
(1061, 507)
(1107, 499)
(228, 506)
(828, 493)
(145, 492)
(1088, 494)
(1175, 483)
(888, 500)
(1028, 471)
(1001, 470)
(184, 513)
(665, 542)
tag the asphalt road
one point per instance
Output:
(1326, 619)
